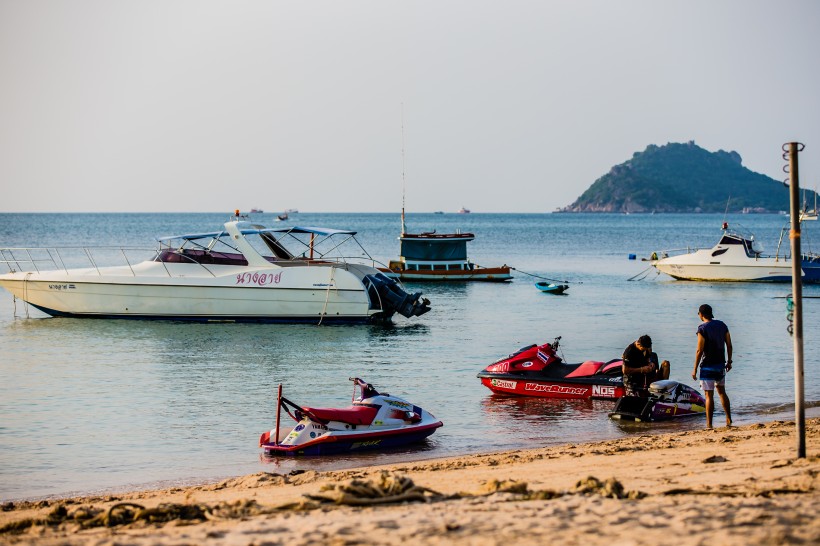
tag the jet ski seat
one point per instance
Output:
(353, 415)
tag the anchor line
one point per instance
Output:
(327, 295)
(545, 278)
(645, 274)
(25, 293)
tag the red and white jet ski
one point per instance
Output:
(374, 421)
(538, 371)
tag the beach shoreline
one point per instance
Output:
(738, 485)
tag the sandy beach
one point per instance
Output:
(741, 485)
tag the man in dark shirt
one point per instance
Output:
(640, 367)
(713, 339)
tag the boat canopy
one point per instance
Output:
(258, 231)
(434, 249)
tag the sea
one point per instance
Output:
(104, 406)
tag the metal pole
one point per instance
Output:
(278, 413)
(797, 291)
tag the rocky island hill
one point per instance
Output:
(683, 178)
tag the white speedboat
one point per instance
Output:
(736, 257)
(245, 272)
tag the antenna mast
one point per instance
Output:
(403, 230)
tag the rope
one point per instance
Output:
(545, 278)
(327, 295)
(645, 274)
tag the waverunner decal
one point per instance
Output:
(603, 391)
(538, 387)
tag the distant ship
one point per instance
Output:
(462, 210)
(257, 211)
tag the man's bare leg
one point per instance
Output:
(724, 400)
(710, 407)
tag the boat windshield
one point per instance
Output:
(740, 236)
(273, 244)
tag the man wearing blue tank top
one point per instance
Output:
(714, 356)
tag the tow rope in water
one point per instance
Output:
(546, 278)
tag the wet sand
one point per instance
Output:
(741, 485)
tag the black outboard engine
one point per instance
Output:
(385, 293)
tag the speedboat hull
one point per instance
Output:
(295, 294)
(698, 268)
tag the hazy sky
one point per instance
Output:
(509, 106)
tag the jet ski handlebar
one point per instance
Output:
(368, 390)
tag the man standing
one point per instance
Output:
(713, 338)
(640, 367)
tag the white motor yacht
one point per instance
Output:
(736, 257)
(245, 273)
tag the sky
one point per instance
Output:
(341, 106)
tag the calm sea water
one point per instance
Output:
(98, 405)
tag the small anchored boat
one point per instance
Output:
(373, 421)
(435, 256)
(431, 256)
(551, 288)
(737, 256)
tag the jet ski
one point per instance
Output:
(373, 421)
(537, 370)
(666, 400)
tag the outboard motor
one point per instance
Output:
(387, 294)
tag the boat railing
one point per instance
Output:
(340, 260)
(38, 259)
(661, 254)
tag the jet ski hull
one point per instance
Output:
(335, 444)
(374, 421)
(606, 388)
(536, 370)
(667, 400)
